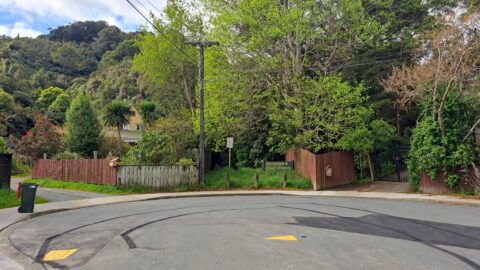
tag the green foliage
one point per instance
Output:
(116, 114)
(148, 111)
(83, 127)
(56, 111)
(41, 139)
(173, 72)
(152, 149)
(244, 178)
(318, 119)
(20, 166)
(111, 145)
(181, 139)
(3, 146)
(7, 104)
(431, 153)
(48, 96)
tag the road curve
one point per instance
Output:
(230, 233)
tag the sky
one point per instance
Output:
(30, 18)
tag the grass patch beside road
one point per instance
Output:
(8, 199)
(105, 189)
(243, 178)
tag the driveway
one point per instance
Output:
(252, 232)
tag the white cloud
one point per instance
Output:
(117, 12)
(19, 28)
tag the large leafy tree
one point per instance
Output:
(83, 127)
(171, 67)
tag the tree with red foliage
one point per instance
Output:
(42, 138)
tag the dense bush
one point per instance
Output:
(152, 149)
(42, 138)
(433, 153)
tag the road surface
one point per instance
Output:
(252, 232)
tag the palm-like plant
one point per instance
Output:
(117, 114)
(148, 111)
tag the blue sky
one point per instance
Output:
(33, 17)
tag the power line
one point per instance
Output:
(154, 7)
(156, 28)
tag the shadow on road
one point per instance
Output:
(434, 233)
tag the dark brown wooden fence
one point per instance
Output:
(92, 171)
(324, 170)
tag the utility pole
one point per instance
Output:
(201, 162)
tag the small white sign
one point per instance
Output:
(229, 142)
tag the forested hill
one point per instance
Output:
(91, 56)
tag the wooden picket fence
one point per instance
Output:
(101, 171)
(157, 176)
(92, 171)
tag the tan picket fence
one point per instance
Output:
(157, 176)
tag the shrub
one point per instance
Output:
(42, 138)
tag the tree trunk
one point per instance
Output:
(119, 143)
(370, 165)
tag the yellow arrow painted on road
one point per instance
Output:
(57, 255)
(283, 238)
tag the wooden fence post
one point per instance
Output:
(227, 180)
(257, 184)
(44, 155)
(94, 154)
(284, 184)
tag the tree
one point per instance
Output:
(148, 111)
(115, 115)
(41, 139)
(444, 83)
(449, 60)
(3, 146)
(368, 137)
(83, 127)
(152, 149)
(48, 96)
(165, 65)
(56, 111)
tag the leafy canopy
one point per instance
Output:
(83, 127)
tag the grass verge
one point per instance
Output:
(8, 199)
(242, 178)
(105, 189)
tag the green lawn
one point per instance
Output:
(106, 189)
(8, 199)
(243, 178)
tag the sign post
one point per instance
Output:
(229, 146)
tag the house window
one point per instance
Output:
(125, 126)
(132, 113)
(139, 128)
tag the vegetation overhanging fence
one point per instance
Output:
(104, 171)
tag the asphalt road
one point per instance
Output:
(230, 232)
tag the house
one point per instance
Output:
(131, 132)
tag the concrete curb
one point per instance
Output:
(10, 216)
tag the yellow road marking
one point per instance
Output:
(57, 255)
(283, 238)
